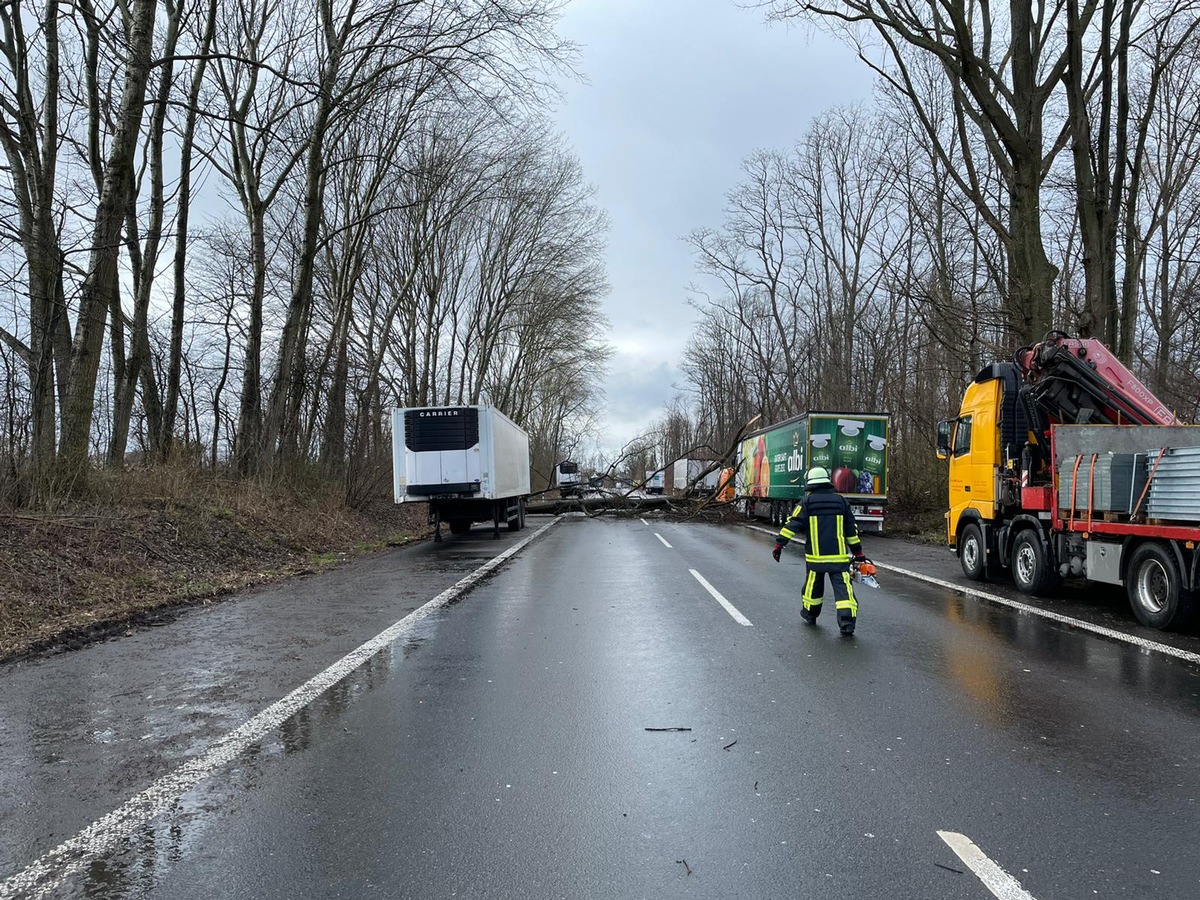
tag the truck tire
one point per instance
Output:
(459, 526)
(1032, 572)
(971, 552)
(1155, 588)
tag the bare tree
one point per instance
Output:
(100, 283)
(29, 131)
(1004, 69)
(260, 93)
(187, 139)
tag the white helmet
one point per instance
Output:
(816, 476)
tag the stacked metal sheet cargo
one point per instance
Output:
(1115, 482)
(1175, 488)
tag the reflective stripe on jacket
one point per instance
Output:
(825, 518)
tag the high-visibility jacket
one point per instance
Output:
(826, 519)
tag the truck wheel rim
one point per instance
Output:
(971, 552)
(1153, 586)
(1026, 563)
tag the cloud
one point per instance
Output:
(638, 388)
(678, 93)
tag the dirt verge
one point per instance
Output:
(146, 543)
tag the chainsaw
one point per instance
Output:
(864, 572)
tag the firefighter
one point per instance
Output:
(825, 518)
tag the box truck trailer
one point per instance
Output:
(852, 446)
(468, 463)
(686, 476)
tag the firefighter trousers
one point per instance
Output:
(843, 595)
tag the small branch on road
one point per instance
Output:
(676, 728)
(727, 746)
(949, 869)
(683, 862)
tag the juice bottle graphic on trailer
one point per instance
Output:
(873, 459)
(820, 451)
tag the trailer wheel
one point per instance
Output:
(514, 517)
(971, 552)
(459, 526)
(1032, 572)
(1155, 588)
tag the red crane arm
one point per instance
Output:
(1078, 381)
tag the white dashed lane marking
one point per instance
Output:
(729, 607)
(994, 878)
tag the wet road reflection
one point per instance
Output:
(501, 748)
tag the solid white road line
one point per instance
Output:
(729, 607)
(994, 878)
(107, 834)
(663, 539)
(1110, 633)
(644, 522)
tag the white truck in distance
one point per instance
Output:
(656, 482)
(568, 479)
(686, 472)
(469, 463)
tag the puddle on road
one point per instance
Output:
(1051, 688)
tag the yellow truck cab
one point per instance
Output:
(974, 457)
(985, 445)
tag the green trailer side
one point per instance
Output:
(853, 447)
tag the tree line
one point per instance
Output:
(237, 233)
(1020, 169)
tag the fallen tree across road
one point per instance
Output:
(618, 504)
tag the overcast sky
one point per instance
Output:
(678, 92)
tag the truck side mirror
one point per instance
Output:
(943, 440)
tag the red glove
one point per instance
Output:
(778, 549)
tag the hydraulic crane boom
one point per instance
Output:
(1077, 381)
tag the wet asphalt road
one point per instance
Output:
(501, 749)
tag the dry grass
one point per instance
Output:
(147, 541)
(925, 525)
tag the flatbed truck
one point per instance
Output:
(1063, 465)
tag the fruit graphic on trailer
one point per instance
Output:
(844, 481)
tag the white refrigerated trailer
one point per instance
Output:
(469, 463)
